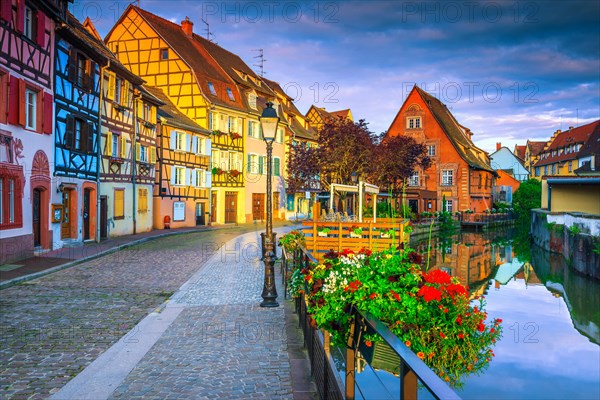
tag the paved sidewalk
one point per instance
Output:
(210, 340)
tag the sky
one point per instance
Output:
(508, 70)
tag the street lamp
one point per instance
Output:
(269, 121)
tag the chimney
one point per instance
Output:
(571, 127)
(187, 26)
(498, 146)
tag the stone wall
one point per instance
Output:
(581, 250)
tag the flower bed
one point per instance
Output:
(430, 312)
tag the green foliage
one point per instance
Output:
(574, 230)
(527, 197)
(596, 248)
(430, 312)
(292, 241)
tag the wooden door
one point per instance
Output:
(37, 239)
(258, 206)
(199, 214)
(213, 207)
(230, 207)
(86, 214)
(65, 226)
(103, 217)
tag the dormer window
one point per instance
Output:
(164, 54)
(413, 122)
(211, 87)
(230, 94)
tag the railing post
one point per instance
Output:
(339, 237)
(351, 347)
(409, 388)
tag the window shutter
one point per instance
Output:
(208, 183)
(72, 66)
(208, 147)
(249, 164)
(172, 179)
(173, 140)
(68, 142)
(20, 15)
(111, 86)
(187, 141)
(195, 144)
(126, 95)
(13, 101)
(140, 108)
(187, 177)
(108, 144)
(193, 177)
(152, 157)
(6, 10)
(153, 114)
(261, 165)
(276, 166)
(40, 29)
(138, 150)
(89, 134)
(90, 85)
(22, 101)
(123, 146)
(48, 113)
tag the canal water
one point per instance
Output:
(551, 318)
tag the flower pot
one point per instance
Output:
(384, 236)
(355, 235)
(322, 234)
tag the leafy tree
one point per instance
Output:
(302, 168)
(527, 197)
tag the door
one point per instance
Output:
(213, 207)
(258, 206)
(65, 226)
(230, 207)
(86, 214)
(414, 206)
(103, 217)
(37, 240)
(199, 214)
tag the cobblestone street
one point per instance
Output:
(54, 327)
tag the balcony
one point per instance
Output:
(232, 178)
(230, 141)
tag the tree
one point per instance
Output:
(527, 197)
(302, 168)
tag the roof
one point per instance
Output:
(474, 156)
(86, 36)
(579, 135)
(520, 151)
(592, 145)
(205, 67)
(171, 113)
(535, 148)
(342, 113)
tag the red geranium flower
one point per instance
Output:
(481, 327)
(373, 295)
(461, 336)
(368, 343)
(437, 276)
(430, 293)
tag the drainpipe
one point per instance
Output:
(133, 157)
(549, 197)
(99, 150)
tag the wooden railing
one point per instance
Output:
(322, 237)
(412, 371)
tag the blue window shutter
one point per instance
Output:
(208, 179)
(173, 140)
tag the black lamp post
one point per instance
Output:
(269, 121)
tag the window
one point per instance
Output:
(261, 164)
(252, 100)
(30, 109)
(199, 178)
(431, 150)
(142, 200)
(114, 140)
(230, 94)
(211, 87)
(449, 206)
(279, 136)
(232, 124)
(414, 179)
(537, 171)
(79, 135)
(276, 166)
(447, 176)
(164, 54)
(82, 70)
(143, 154)
(118, 89)
(211, 121)
(413, 122)
(199, 145)
(545, 170)
(252, 165)
(553, 168)
(179, 176)
(28, 26)
(178, 141)
(570, 166)
(10, 202)
(119, 204)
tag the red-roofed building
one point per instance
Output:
(318, 116)
(532, 155)
(460, 171)
(560, 156)
(519, 151)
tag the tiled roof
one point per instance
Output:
(171, 113)
(473, 155)
(520, 151)
(97, 50)
(341, 113)
(535, 148)
(198, 58)
(579, 135)
(592, 146)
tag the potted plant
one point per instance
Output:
(234, 173)
(217, 132)
(430, 311)
(235, 135)
(322, 231)
(292, 241)
(355, 231)
(385, 233)
(217, 171)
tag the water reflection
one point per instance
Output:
(551, 317)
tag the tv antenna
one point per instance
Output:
(208, 32)
(261, 61)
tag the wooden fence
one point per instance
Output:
(324, 236)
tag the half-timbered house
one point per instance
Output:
(171, 57)
(183, 176)
(26, 125)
